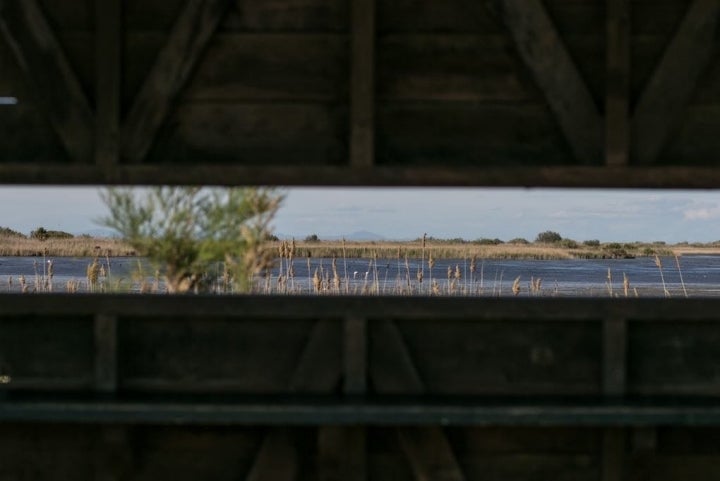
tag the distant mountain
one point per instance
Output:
(361, 235)
(104, 233)
(364, 235)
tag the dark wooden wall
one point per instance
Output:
(422, 92)
(577, 93)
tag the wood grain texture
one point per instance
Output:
(670, 88)
(173, 66)
(617, 96)
(106, 361)
(362, 84)
(544, 53)
(54, 83)
(108, 58)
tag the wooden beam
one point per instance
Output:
(108, 55)
(614, 386)
(175, 62)
(342, 453)
(277, 459)
(55, 85)
(362, 84)
(355, 356)
(655, 177)
(545, 55)
(617, 83)
(427, 449)
(105, 328)
(430, 456)
(113, 454)
(613, 452)
(671, 86)
(318, 370)
(614, 357)
(470, 309)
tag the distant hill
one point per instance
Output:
(364, 235)
(361, 235)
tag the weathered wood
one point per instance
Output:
(241, 355)
(676, 359)
(277, 459)
(113, 454)
(441, 133)
(613, 454)
(261, 134)
(617, 83)
(644, 312)
(430, 455)
(362, 84)
(355, 356)
(394, 372)
(670, 89)
(54, 82)
(544, 53)
(614, 357)
(106, 359)
(342, 453)
(644, 439)
(315, 413)
(506, 357)
(658, 177)
(318, 369)
(108, 52)
(187, 42)
(392, 369)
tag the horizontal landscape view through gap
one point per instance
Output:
(249, 240)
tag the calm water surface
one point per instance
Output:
(700, 273)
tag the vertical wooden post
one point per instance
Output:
(108, 55)
(343, 449)
(614, 386)
(362, 84)
(113, 455)
(617, 83)
(355, 358)
(105, 354)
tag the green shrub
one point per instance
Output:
(548, 237)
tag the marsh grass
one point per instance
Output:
(74, 247)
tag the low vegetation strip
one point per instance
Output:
(460, 250)
(63, 247)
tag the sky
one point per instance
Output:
(407, 213)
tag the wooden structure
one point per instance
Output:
(593, 93)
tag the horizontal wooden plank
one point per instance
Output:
(207, 356)
(256, 134)
(439, 309)
(272, 67)
(337, 307)
(506, 358)
(27, 135)
(267, 15)
(674, 359)
(391, 414)
(53, 353)
(47, 171)
(695, 142)
(467, 133)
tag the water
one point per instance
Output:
(700, 273)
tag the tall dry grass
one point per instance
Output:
(75, 247)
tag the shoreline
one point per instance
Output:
(106, 247)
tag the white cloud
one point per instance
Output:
(702, 213)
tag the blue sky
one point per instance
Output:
(607, 215)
